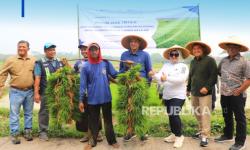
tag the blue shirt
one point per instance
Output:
(140, 57)
(38, 68)
(94, 79)
(78, 65)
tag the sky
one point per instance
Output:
(56, 21)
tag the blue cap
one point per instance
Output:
(82, 44)
(49, 45)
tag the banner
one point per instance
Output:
(160, 28)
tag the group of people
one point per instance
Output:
(201, 77)
(29, 77)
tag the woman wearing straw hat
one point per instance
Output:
(235, 79)
(173, 76)
(201, 80)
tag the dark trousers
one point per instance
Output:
(82, 123)
(213, 97)
(43, 116)
(173, 109)
(94, 117)
(234, 105)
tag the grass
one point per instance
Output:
(157, 125)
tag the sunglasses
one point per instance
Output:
(174, 54)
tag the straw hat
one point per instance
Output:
(206, 49)
(126, 40)
(184, 52)
(233, 40)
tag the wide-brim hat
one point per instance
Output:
(233, 40)
(126, 40)
(184, 52)
(206, 48)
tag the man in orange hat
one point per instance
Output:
(235, 79)
(201, 80)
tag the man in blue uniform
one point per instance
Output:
(82, 124)
(94, 80)
(135, 55)
(43, 68)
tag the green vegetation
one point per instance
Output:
(63, 101)
(133, 93)
(157, 125)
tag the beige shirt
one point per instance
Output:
(20, 71)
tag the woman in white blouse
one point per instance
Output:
(173, 76)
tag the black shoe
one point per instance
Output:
(237, 147)
(197, 136)
(222, 139)
(28, 134)
(144, 137)
(204, 142)
(15, 139)
(129, 137)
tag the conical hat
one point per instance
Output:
(184, 52)
(233, 40)
(126, 40)
(206, 48)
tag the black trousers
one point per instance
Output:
(213, 97)
(234, 105)
(82, 124)
(93, 118)
(174, 107)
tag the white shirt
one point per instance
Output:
(175, 85)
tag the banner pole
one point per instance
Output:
(78, 32)
(23, 8)
(199, 21)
